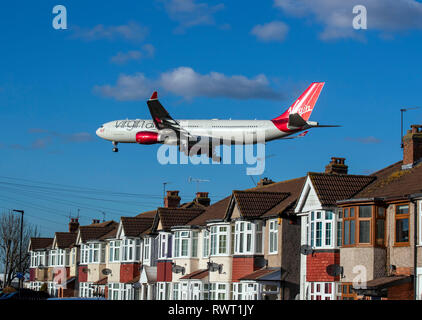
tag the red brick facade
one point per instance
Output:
(164, 273)
(316, 266)
(32, 274)
(128, 271)
(243, 266)
(83, 276)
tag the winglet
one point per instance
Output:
(154, 96)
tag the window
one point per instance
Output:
(248, 237)
(114, 251)
(246, 291)
(349, 230)
(205, 244)
(380, 226)
(86, 290)
(164, 240)
(175, 291)
(347, 292)
(147, 249)
(194, 244)
(219, 240)
(273, 236)
(84, 253)
(402, 224)
(339, 227)
(219, 291)
(163, 291)
(322, 291)
(131, 250)
(181, 244)
(321, 229)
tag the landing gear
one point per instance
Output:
(115, 149)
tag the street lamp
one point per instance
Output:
(20, 246)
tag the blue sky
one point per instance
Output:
(58, 86)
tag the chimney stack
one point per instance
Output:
(202, 198)
(73, 224)
(95, 221)
(336, 166)
(412, 146)
(172, 199)
(265, 181)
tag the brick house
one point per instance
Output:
(381, 253)
(321, 227)
(38, 269)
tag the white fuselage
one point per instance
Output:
(228, 131)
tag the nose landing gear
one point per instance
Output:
(115, 149)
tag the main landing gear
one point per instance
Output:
(115, 149)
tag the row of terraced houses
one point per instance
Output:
(323, 236)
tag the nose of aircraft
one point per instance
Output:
(100, 131)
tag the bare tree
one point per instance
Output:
(9, 246)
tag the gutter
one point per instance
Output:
(413, 199)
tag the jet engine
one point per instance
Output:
(147, 137)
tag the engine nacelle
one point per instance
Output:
(147, 137)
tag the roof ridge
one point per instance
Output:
(275, 183)
(339, 175)
(386, 168)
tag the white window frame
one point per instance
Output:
(273, 236)
(319, 290)
(216, 236)
(115, 251)
(84, 259)
(219, 288)
(163, 245)
(246, 290)
(86, 290)
(131, 249)
(419, 207)
(248, 232)
(175, 291)
(163, 290)
(205, 243)
(147, 250)
(319, 220)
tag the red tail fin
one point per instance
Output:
(305, 103)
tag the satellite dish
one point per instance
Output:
(306, 250)
(178, 269)
(212, 267)
(106, 272)
(334, 270)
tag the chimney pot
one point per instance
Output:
(337, 166)
(95, 221)
(264, 182)
(202, 198)
(73, 224)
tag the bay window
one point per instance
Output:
(364, 225)
(163, 290)
(175, 291)
(248, 237)
(273, 236)
(131, 249)
(219, 236)
(114, 251)
(246, 291)
(147, 250)
(186, 244)
(321, 229)
(323, 291)
(84, 253)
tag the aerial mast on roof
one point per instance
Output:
(198, 181)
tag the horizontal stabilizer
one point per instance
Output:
(296, 121)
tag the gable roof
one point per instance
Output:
(214, 211)
(331, 188)
(134, 226)
(198, 274)
(96, 230)
(170, 217)
(41, 243)
(393, 182)
(65, 239)
(253, 204)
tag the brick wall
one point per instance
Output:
(243, 266)
(128, 271)
(401, 292)
(32, 274)
(164, 273)
(316, 266)
(83, 276)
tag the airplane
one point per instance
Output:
(163, 129)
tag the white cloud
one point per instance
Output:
(147, 51)
(186, 82)
(272, 31)
(189, 13)
(131, 31)
(336, 16)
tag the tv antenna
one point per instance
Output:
(198, 181)
(402, 111)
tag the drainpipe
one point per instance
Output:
(415, 248)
